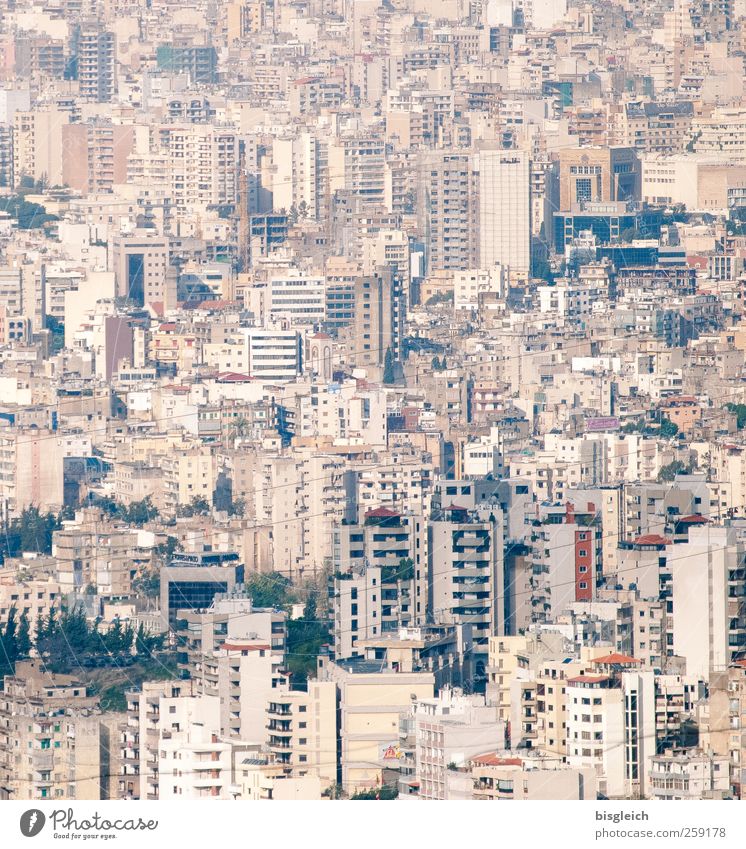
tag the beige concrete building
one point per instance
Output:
(302, 732)
(95, 156)
(597, 175)
(725, 733)
(37, 145)
(499, 777)
(50, 736)
(32, 596)
(373, 691)
(31, 470)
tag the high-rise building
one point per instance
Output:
(140, 262)
(51, 744)
(96, 61)
(598, 175)
(95, 156)
(465, 573)
(505, 210)
(37, 145)
(192, 581)
(203, 164)
(446, 205)
(198, 61)
(377, 564)
(376, 327)
(358, 165)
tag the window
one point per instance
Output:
(583, 189)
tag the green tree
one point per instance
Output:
(23, 640)
(383, 793)
(668, 429)
(140, 512)
(237, 507)
(29, 216)
(669, 471)
(31, 531)
(147, 643)
(9, 644)
(305, 638)
(74, 626)
(740, 411)
(270, 590)
(440, 298)
(198, 506)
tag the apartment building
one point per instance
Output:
(567, 559)
(465, 571)
(505, 211)
(502, 777)
(302, 732)
(611, 725)
(95, 156)
(375, 583)
(96, 59)
(687, 774)
(203, 162)
(725, 733)
(34, 596)
(229, 617)
(140, 736)
(31, 470)
(37, 145)
(449, 731)
(357, 166)
(51, 739)
(242, 676)
(447, 205)
(374, 690)
(655, 127)
(708, 585)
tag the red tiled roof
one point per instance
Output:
(493, 759)
(587, 679)
(615, 658)
(652, 539)
(382, 513)
(234, 377)
(246, 646)
(215, 305)
(693, 520)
